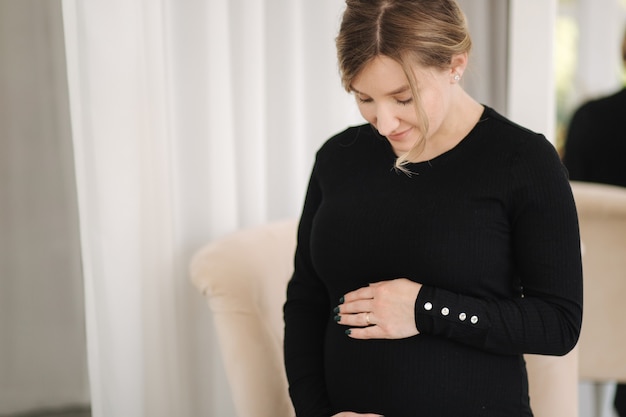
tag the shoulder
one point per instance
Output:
(354, 141)
(617, 98)
(511, 137)
(355, 149)
(503, 124)
(347, 138)
(611, 103)
(522, 155)
(612, 99)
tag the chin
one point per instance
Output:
(400, 150)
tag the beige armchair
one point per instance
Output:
(244, 278)
(602, 216)
(602, 345)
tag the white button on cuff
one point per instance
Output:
(445, 311)
(462, 316)
(474, 319)
(428, 306)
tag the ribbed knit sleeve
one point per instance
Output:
(546, 318)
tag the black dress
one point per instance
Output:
(490, 230)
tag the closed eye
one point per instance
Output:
(400, 102)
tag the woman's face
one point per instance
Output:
(384, 98)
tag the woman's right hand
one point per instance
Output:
(351, 414)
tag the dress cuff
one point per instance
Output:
(445, 313)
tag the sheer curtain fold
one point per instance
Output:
(122, 136)
(249, 92)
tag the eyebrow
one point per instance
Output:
(402, 89)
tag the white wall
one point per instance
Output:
(42, 339)
(486, 77)
(599, 65)
(531, 98)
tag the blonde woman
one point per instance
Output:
(438, 243)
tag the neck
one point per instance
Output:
(461, 119)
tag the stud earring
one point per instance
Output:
(457, 77)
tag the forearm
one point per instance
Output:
(530, 324)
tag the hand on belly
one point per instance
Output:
(382, 310)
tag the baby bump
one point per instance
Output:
(419, 375)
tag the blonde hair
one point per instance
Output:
(426, 32)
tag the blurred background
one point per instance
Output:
(134, 131)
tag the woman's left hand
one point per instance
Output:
(383, 310)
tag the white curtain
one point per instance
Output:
(190, 119)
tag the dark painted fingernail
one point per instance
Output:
(337, 318)
(348, 332)
(341, 300)
(336, 310)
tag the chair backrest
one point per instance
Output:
(244, 277)
(602, 216)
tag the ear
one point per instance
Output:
(458, 63)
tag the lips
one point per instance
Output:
(398, 136)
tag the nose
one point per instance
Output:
(386, 120)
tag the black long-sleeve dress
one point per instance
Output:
(490, 230)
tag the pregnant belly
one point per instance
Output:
(421, 375)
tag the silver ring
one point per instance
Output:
(367, 319)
